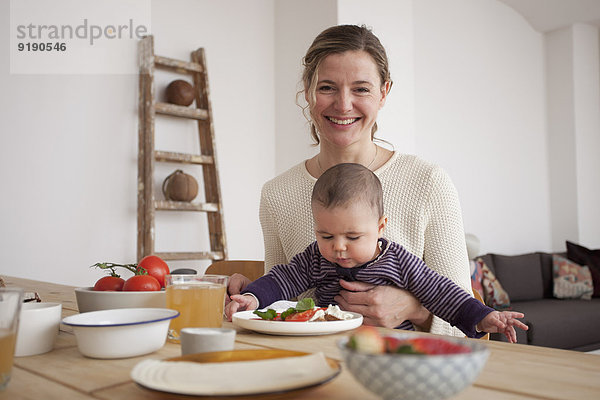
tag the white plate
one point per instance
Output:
(236, 373)
(247, 320)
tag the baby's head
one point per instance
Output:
(347, 205)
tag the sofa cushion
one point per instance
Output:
(563, 324)
(571, 280)
(476, 275)
(521, 276)
(547, 274)
(585, 256)
(494, 295)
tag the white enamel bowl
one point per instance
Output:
(89, 299)
(410, 376)
(121, 333)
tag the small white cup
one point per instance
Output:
(203, 340)
(38, 328)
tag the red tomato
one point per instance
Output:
(156, 267)
(109, 283)
(301, 316)
(141, 283)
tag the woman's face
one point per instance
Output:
(348, 97)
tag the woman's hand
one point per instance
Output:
(385, 306)
(237, 283)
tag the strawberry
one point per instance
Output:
(367, 339)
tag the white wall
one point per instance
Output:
(68, 146)
(587, 131)
(562, 166)
(480, 113)
(573, 69)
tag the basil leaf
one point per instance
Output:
(305, 304)
(269, 314)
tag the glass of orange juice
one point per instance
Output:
(200, 300)
(10, 308)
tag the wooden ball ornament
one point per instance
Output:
(180, 92)
(180, 186)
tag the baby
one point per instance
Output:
(347, 206)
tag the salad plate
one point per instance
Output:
(255, 372)
(249, 320)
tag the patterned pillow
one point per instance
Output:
(571, 281)
(493, 293)
(591, 258)
(477, 275)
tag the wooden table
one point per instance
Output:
(512, 371)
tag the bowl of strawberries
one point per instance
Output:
(411, 365)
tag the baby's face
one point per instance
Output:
(348, 235)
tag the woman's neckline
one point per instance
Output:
(393, 156)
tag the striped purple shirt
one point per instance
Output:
(394, 266)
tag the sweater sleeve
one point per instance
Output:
(274, 253)
(445, 249)
(469, 315)
(440, 295)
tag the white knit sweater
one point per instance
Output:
(421, 205)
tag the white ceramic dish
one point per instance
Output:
(89, 299)
(203, 340)
(121, 333)
(38, 328)
(248, 320)
(236, 373)
(414, 376)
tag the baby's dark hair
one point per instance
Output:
(347, 183)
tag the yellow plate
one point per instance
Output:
(145, 374)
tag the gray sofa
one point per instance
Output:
(561, 323)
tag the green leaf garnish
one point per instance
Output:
(270, 314)
(305, 304)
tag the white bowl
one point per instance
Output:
(410, 376)
(202, 340)
(89, 299)
(38, 328)
(121, 333)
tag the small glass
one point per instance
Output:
(10, 309)
(199, 299)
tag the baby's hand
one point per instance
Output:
(503, 322)
(240, 302)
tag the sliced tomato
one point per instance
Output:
(301, 316)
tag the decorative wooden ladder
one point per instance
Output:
(147, 155)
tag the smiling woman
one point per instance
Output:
(346, 81)
(347, 98)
